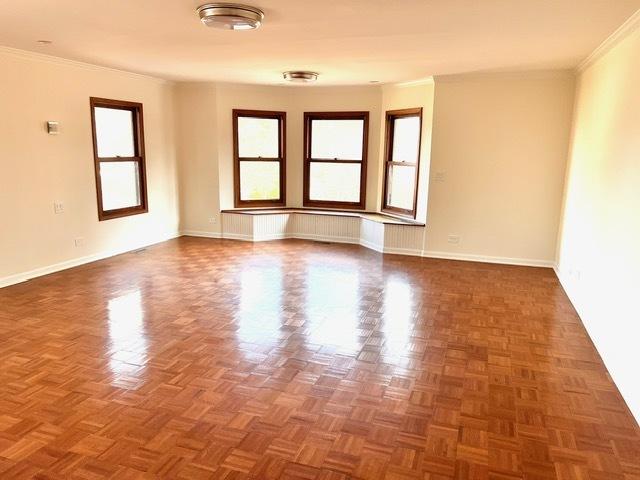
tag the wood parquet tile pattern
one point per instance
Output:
(202, 358)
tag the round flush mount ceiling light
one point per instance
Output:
(230, 16)
(300, 77)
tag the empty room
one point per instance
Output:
(320, 240)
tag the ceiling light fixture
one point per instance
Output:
(300, 77)
(230, 16)
(45, 42)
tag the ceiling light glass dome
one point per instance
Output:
(230, 16)
(300, 76)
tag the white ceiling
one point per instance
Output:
(346, 41)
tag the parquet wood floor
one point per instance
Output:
(202, 358)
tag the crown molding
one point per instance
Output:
(622, 32)
(41, 57)
(412, 83)
(506, 74)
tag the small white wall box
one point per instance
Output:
(53, 128)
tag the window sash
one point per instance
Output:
(260, 162)
(391, 117)
(389, 184)
(139, 158)
(317, 122)
(309, 117)
(129, 208)
(332, 178)
(281, 117)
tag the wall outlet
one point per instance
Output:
(58, 207)
(78, 241)
(439, 177)
(455, 239)
(212, 219)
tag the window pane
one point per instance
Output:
(401, 186)
(114, 132)
(120, 184)
(258, 137)
(259, 180)
(340, 139)
(406, 139)
(338, 182)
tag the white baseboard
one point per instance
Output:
(74, 262)
(237, 236)
(325, 238)
(198, 233)
(525, 262)
(270, 236)
(403, 251)
(556, 269)
(372, 246)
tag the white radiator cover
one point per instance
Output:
(400, 239)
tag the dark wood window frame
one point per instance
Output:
(391, 117)
(282, 158)
(139, 157)
(308, 119)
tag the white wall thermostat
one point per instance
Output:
(53, 128)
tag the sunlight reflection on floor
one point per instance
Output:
(127, 335)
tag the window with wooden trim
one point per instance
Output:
(259, 139)
(118, 153)
(335, 159)
(402, 158)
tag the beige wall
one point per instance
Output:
(599, 248)
(498, 157)
(197, 140)
(37, 169)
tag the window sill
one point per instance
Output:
(372, 216)
(120, 213)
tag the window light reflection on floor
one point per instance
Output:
(128, 348)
